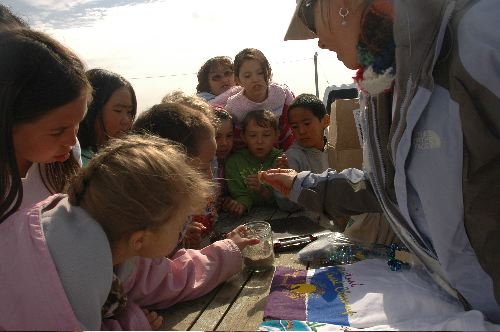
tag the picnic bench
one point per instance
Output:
(238, 304)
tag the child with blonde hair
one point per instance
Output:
(196, 103)
(256, 91)
(97, 256)
(191, 101)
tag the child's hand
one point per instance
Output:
(280, 179)
(235, 207)
(228, 201)
(193, 235)
(239, 237)
(253, 182)
(155, 321)
(281, 162)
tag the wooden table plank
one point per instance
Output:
(217, 308)
(278, 214)
(247, 312)
(183, 315)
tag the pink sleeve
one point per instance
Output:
(160, 283)
(221, 100)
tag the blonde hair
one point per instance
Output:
(137, 183)
(194, 102)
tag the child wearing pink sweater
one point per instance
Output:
(95, 258)
(255, 91)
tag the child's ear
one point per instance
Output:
(325, 122)
(137, 239)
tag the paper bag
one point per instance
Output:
(344, 149)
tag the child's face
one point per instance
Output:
(307, 128)
(50, 138)
(220, 79)
(260, 141)
(252, 77)
(206, 153)
(117, 114)
(224, 139)
(164, 240)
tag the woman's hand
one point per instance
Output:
(155, 321)
(239, 237)
(280, 179)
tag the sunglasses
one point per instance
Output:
(306, 14)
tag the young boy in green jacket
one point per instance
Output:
(260, 132)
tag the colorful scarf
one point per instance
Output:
(376, 49)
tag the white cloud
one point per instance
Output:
(160, 45)
(55, 5)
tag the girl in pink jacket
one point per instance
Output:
(96, 257)
(255, 91)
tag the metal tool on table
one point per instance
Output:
(296, 242)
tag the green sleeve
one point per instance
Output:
(236, 183)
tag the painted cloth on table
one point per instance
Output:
(472, 320)
(241, 164)
(279, 97)
(299, 325)
(359, 295)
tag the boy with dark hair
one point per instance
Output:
(308, 119)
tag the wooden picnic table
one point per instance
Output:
(238, 304)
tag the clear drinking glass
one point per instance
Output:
(259, 257)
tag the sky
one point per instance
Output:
(159, 45)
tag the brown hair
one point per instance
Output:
(176, 122)
(104, 84)
(252, 54)
(222, 115)
(137, 183)
(28, 93)
(263, 118)
(218, 61)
